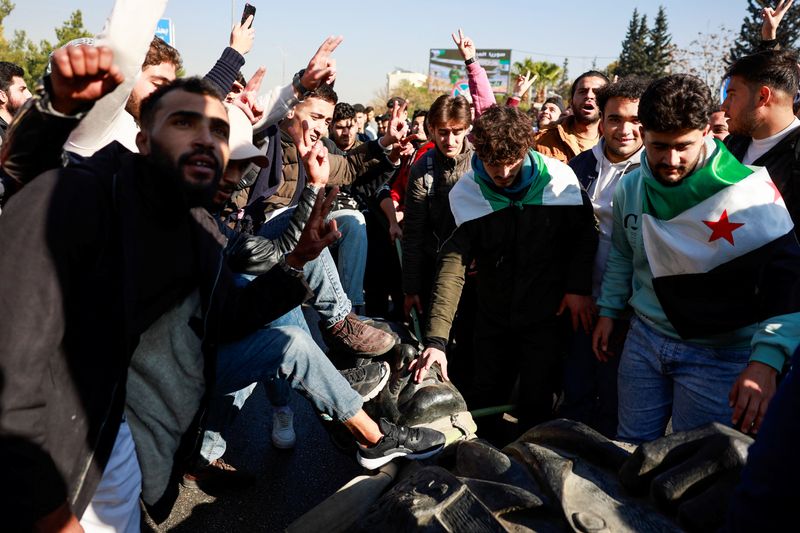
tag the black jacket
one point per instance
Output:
(783, 165)
(527, 259)
(91, 255)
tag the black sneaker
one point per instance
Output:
(367, 380)
(400, 441)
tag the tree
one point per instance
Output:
(30, 56)
(417, 97)
(633, 58)
(659, 49)
(645, 51)
(547, 75)
(706, 57)
(750, 32)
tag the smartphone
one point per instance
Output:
(248, 10)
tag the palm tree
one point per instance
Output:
(547, 75)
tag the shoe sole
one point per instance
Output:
(284, 445)
(374, 464)
(380, 386)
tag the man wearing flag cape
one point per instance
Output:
(531, 230)
(704, 251)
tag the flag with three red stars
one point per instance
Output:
(720, 245)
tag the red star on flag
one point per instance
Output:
(722, 228)
(775, 189)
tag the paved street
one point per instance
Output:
(289, 482)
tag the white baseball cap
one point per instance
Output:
(241, 138)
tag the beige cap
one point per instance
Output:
(241, 138)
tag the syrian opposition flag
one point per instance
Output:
(721, 247)
(551, 183)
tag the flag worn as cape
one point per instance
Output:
(720, 245)
(554, 183)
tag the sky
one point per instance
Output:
(380, 37)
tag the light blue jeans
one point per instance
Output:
(279, 350)
(352, 247)
(661, 377)
(330, 300)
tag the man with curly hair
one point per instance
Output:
(530, 228)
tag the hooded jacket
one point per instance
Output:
(599, 177)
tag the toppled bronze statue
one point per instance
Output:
(558, 476)
(564, 476)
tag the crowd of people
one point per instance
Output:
(626, 258)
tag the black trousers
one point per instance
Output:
(532, 354)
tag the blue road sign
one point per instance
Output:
(166, 30)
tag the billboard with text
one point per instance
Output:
(446, 69)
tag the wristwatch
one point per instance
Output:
(470, 61)
(289, 269)
(298, 84)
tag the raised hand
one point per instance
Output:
(243, 35)
(321, 68)
(247, 100)
(523, 84)
(317, 165)
(465, 45)
(82, 75)
(772, 19)
(317, 234)
(398, 128)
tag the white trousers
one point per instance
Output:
(115, 504)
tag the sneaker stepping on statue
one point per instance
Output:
(368, 380)
(400, 441)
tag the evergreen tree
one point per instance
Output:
(750, 33)
(633, 58)
(659, 49)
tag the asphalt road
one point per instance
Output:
(289, 482)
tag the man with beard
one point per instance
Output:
(764, 130)
(13, 93)
(73, 317)
(704, 252)
(590, 386)
(579, 131)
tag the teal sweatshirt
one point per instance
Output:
(628, 280)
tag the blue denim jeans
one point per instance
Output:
(352, 257)
(330, 300)
(285, 350)
(661, 377)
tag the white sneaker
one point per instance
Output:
(283, 435)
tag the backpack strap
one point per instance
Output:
(427, 179)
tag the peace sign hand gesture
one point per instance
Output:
(465, 45)
(772, 19)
